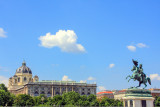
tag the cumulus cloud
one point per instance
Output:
(111, 65)
(4, 80)
(141, 45)
(65, 40)
(138, 45)
(83, 81)
(155, 76)
(2, 33)
(65, 78)
(101, 88)
(131, 48)
(91, 78)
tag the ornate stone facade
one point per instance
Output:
(23, 83)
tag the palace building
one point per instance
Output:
(23, 83)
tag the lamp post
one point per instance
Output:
(42, 99)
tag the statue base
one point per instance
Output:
(135, 97)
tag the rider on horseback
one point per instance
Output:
(142, 74)
(135, 69)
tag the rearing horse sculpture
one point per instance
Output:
(139, 75)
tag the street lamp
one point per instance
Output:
(42, 99)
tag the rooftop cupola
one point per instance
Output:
(24, 63)
(24, 69)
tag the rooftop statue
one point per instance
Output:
(139, 75)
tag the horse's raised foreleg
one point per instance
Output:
(127, 76)
(130, 78)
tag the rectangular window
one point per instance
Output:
(126, 103)
(131, 103)
(143, 103)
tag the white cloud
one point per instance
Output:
(101, 88)
(65, 78)
(111, 65)
(131, 48)
(66, 40)
(91, 78)
(2, 33)
(141, 45)
(155, 76)
(4, 80)
(83, 81)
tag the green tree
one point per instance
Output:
(94, 103)
(40, 100)
(83, 97)
(70, 98)
(3, 87)
(3, 98)
(23, 100)
(82, 103)
(103, 101)
(57, 100)
(91, 98)
(49, 101)
(11, 99)
(157, 102)
(6, 98)
(87, 101)
(110, 102)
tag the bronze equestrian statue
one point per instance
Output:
(139, 75)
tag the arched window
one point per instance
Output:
(30, 79)
(49, 94)
(83, 93)
(57, 93)
(25, 79)
(88, 93)
(42, 92)
(36, 93)
(15, 80)
(19, 79)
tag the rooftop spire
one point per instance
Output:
(24, 63)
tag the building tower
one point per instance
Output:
(22, 76)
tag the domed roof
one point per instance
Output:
(24, 69)
(35, 76)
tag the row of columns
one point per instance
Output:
(53, 90)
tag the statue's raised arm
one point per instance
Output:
(135, 66)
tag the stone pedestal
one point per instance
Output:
(138, 98)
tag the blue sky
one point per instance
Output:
(81, 40)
